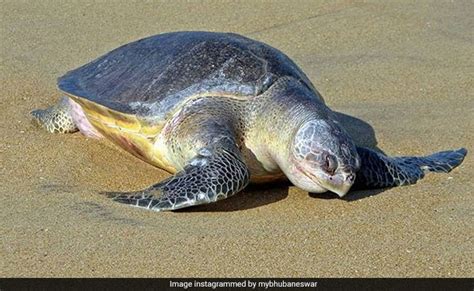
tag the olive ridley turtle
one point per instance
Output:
(220, 110)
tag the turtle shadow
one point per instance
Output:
(254, 196)
(349, 197)
(360, 131)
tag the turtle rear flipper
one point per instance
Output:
(57, 118)
(214, 174)
(379, 171)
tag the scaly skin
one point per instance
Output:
(57, 118)
(215, 173)
(380, 171)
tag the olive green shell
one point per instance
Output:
(152, 76)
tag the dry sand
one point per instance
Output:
(406, 68)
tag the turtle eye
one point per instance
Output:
(330, 164)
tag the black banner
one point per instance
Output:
(181, 284)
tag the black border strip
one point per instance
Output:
(213, 284)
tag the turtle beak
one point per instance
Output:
(341, 186)
(342, 191)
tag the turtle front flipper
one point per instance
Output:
(379, 171)
(57, 118)
(214, 174)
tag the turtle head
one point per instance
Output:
(323, 157)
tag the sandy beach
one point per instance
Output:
(404, 68)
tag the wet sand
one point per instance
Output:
(405, 69)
